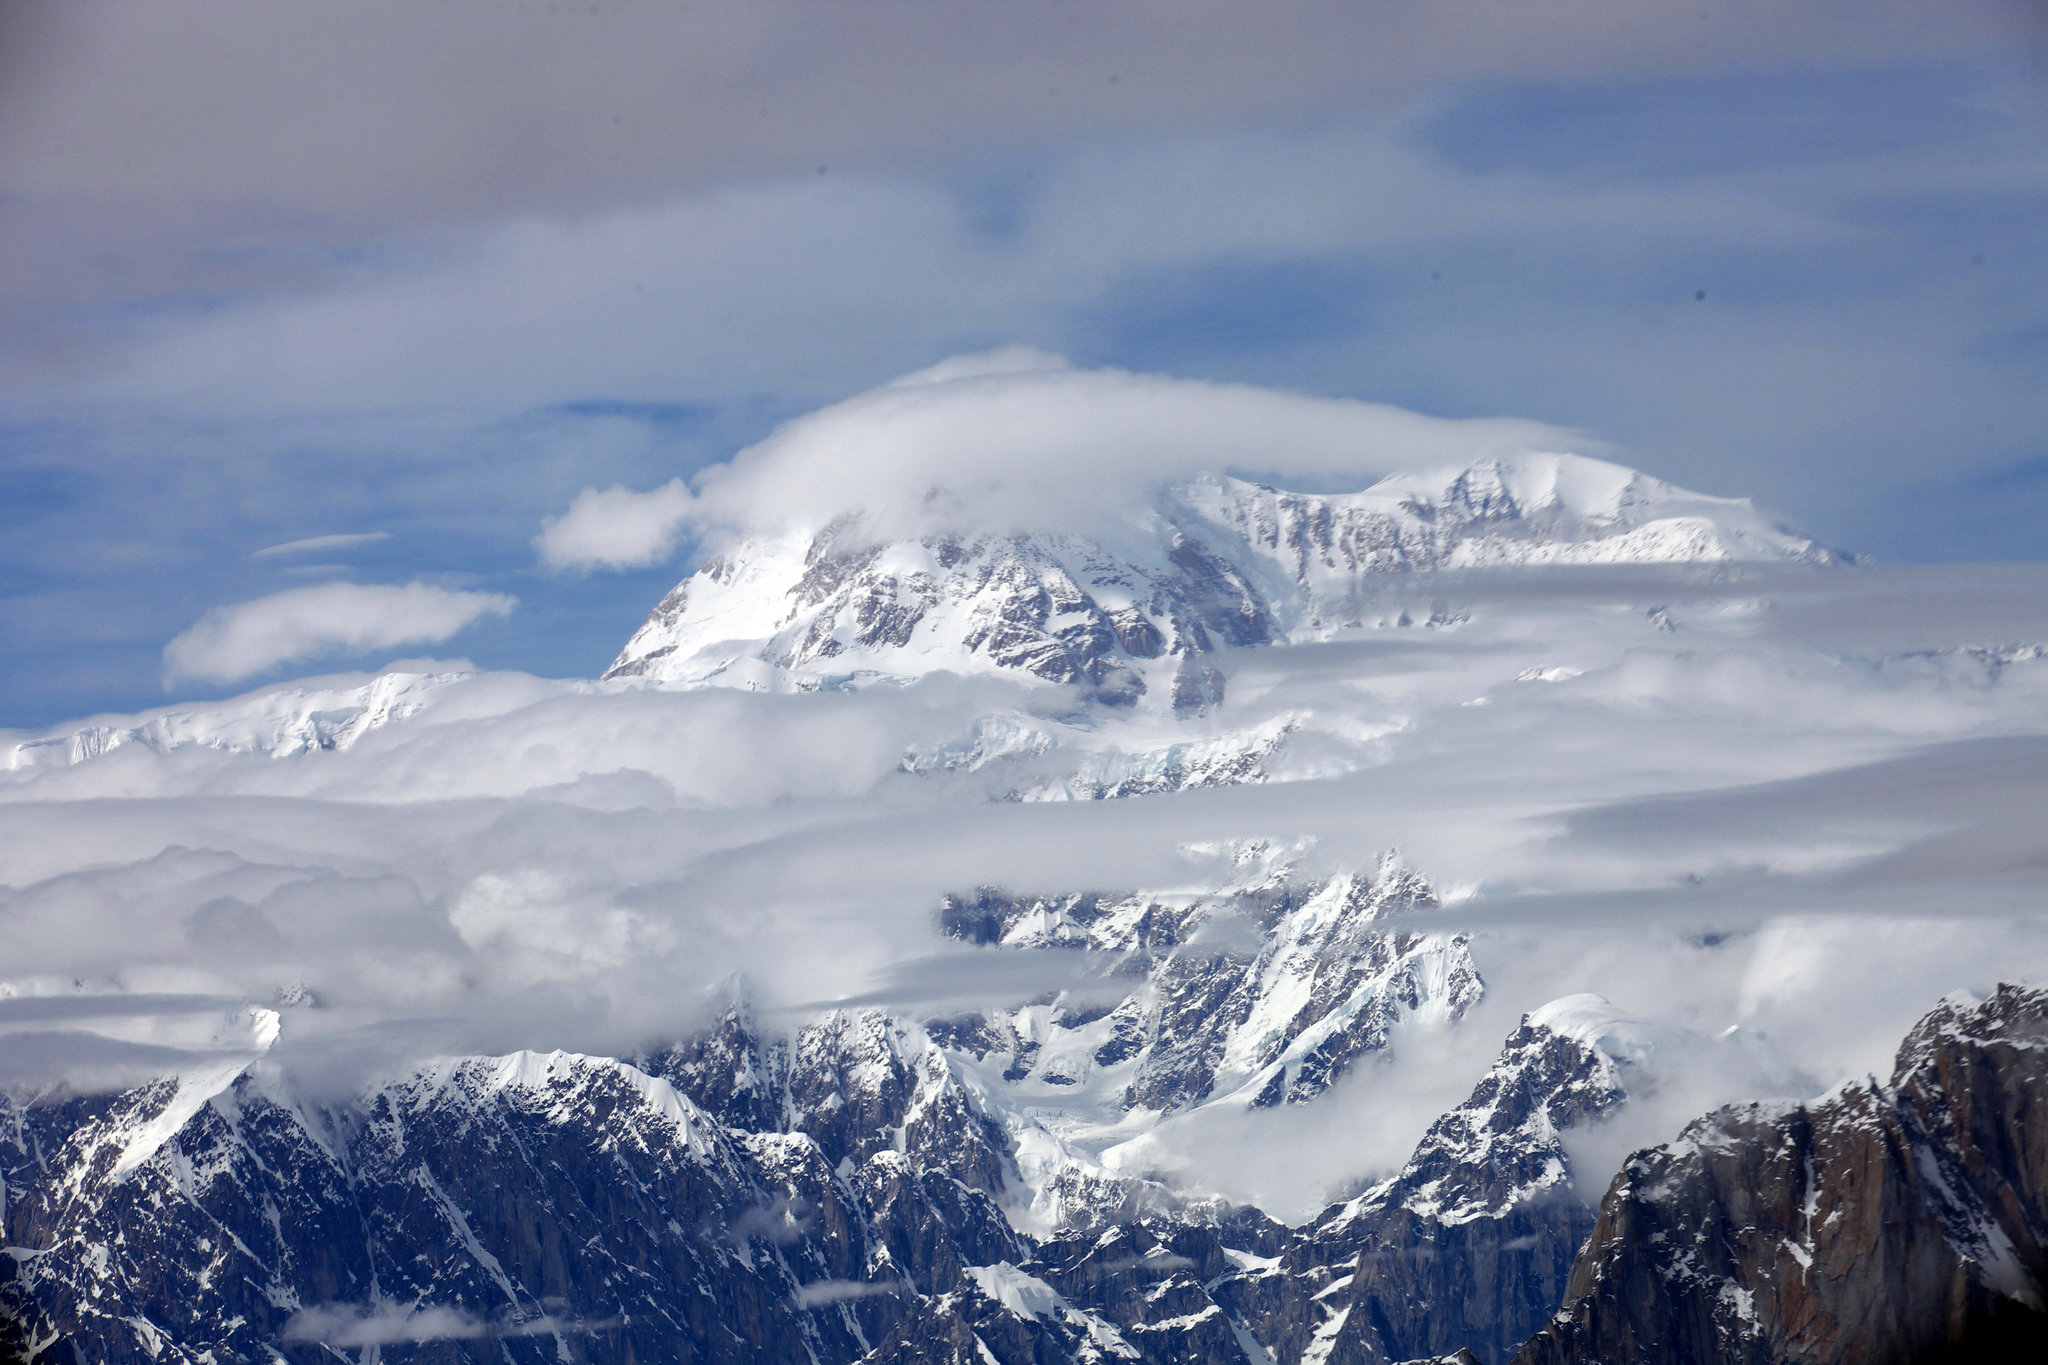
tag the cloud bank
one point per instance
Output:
(1724, 823)
(240, 641)
(392, 113)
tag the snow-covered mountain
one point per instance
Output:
(831, 1160)
(1213, 562)
(860, 1186)
(849, 1191)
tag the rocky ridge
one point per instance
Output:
(836, 1194)
(843, 1193)
(1889, 1222)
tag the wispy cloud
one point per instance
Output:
(388, 1324)
(316, 543)
(820, 1292)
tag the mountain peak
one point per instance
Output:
(1211, 561)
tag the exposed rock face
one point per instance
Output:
(1212, 563)
(1887, 1223)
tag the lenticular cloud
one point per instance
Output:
(1015, 440)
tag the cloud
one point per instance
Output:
(328, 156)
(43, 1009)
(967, 976)
(386, 1324)
(313, 543)
(240, 641)
(616, 528)
(819, 285)
(1293, 1161)
(394, 114)
(339, 1325)
(820, 1292)
(532, 863)
(1019, 440)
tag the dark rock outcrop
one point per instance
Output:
(1886, 1224)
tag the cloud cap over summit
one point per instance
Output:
(1016, 441)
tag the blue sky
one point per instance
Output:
(1766, 257)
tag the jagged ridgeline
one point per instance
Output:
(840, 1194)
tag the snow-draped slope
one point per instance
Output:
(290, 718)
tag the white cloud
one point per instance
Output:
(839, 1291)
(390, 1323)
(1017, 439)
(240, 641)
(1007, 445)
(616, 528)
(346, 1325)
(311, 543)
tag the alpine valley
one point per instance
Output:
(1471, 918)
